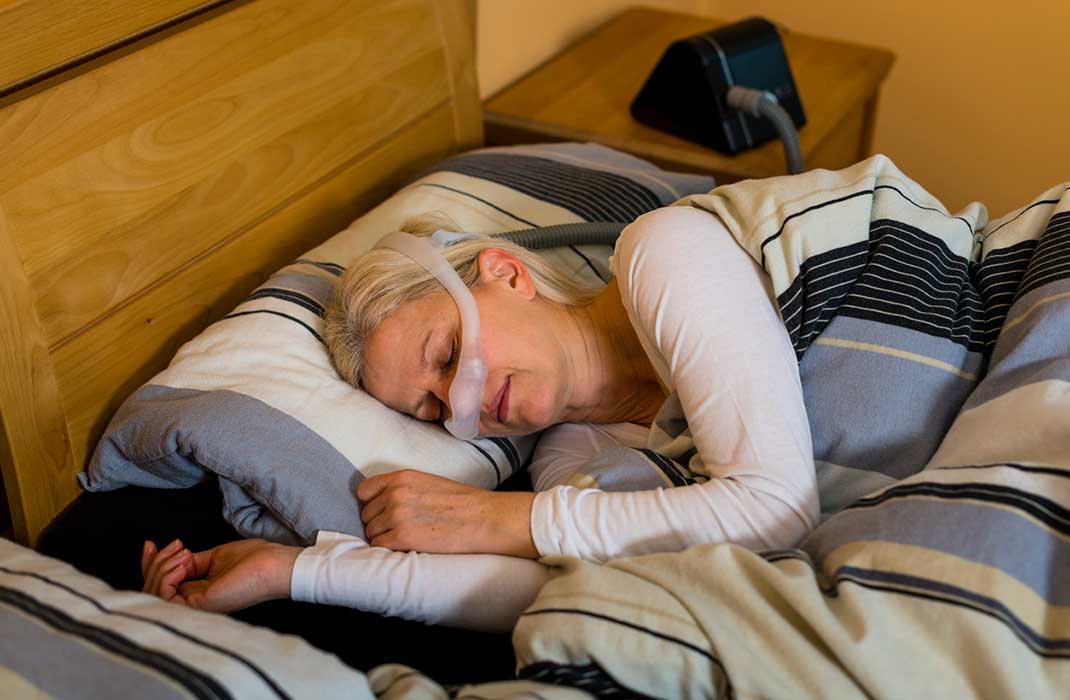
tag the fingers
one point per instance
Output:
(374, 485)
(378, 526)
(373, 508)
(169, 581)
(201, 562)
(163, 563)
(193, 594)
(148, 551)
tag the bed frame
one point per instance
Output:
(160, 159)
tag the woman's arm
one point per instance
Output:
(482, 592)
(701, 303)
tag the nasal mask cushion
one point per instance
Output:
(466, 391)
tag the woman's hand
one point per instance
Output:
(223, 579)
(413, 511)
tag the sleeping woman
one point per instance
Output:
(682, 355)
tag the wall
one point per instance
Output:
(514, 36)
(975, 107)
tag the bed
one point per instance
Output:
(159, 163)
(158, 168)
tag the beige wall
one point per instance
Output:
(514, 36)
(976, 106)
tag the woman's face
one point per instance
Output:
(411, 357)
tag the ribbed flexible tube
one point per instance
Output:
(762, 103)
(586, 233)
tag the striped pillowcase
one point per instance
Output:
(255, 400)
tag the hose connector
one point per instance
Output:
(762, 103)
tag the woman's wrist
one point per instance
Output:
(508, 524)
(285, 557)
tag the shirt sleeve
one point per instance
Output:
(706, 315)
(472, 591)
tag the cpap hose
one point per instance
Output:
(762, 103)
(586, 233)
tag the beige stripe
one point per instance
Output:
(1022, 316)
(17, 686)
(884, 350)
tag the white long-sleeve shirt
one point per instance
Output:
(706, 316)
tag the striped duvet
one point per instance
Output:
(953, 582)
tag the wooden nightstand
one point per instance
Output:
(584, 93)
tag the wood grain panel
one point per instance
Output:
(41, 35)
(33, 430)
(116, 356)
(92, 228)
(142, 195)
(457, 25)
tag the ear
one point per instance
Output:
(500, 267)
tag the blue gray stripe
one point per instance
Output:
(1014, 543)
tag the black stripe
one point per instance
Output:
(1051, 257)
(1043, 509)
(304, 301)
(1019, 214)
(587, 260)
(807, 210)
(198, 684)
(1050, 471)
(509, 449)
(162, 625)
(888, 582)
(566, 180)
(307, 327)
(942, 213)
(493, 463)
(668, 467)
(478, 199)
(631, 625)
(593, 195)
(334, 269)
(590, 678)
(936, 591)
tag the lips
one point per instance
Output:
(500, 409)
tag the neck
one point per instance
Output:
(615, 382)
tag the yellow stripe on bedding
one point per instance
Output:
(895, 352)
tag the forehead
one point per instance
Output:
(393, 367)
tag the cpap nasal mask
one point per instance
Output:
(466, 390)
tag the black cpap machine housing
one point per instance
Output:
(685, 95)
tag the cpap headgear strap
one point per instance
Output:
(466, 390)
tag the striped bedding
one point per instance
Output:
(951, 582)
(255, 400)
(67, 635)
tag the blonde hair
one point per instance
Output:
(383, 279)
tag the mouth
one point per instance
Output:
(501, 403)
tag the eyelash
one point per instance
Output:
(453, 353)
(449, 363)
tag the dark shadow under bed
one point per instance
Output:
(102, 534)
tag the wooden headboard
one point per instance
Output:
(159, 159)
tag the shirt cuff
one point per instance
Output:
(310, 563)
(548, 521)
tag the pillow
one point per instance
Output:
(255, 399)
(68, 635)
